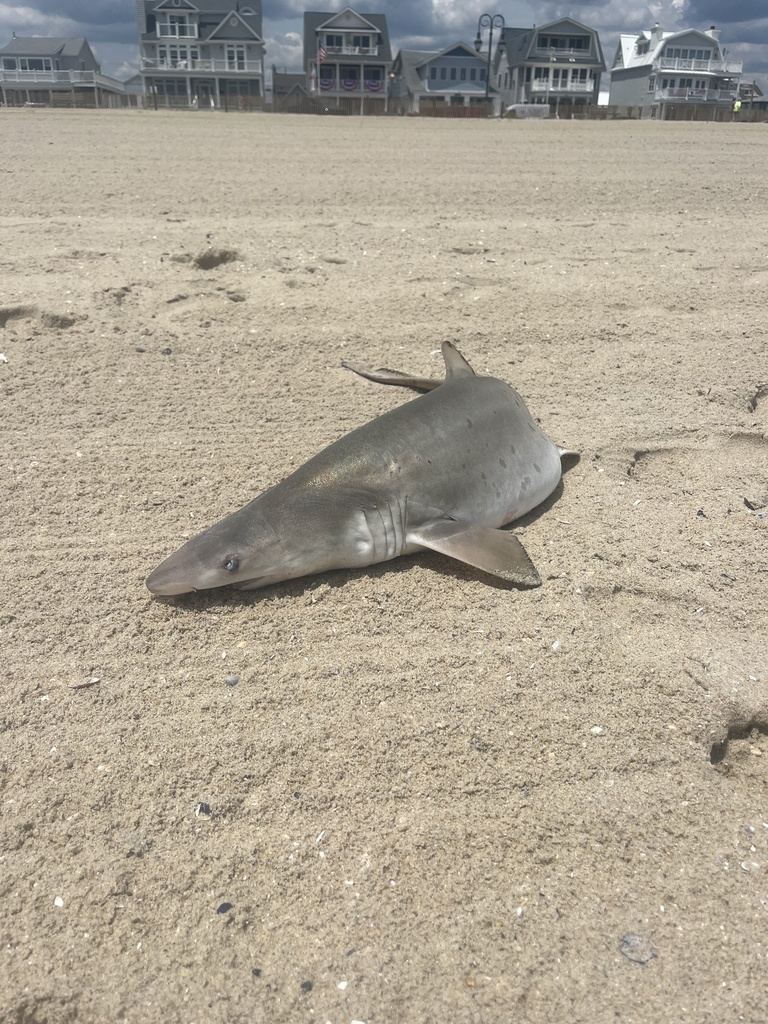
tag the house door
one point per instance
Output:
(204, 94)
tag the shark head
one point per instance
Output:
(255, 547)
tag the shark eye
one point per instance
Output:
(231, 564)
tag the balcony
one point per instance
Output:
(352, 51)
(694, 95)
(556, 54)
(716, 67)
(345, 86)
(62, 78)
(176, 31)
(542, 85)
(211, 66)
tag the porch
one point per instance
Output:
(234, 65)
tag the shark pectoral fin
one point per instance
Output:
(494, 551)
(396, 377)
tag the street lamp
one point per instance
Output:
(489, 21)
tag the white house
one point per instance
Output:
(661, 71)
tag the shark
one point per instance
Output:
(443, 472)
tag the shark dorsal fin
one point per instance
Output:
(455, 363)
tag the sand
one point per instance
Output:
(406, 793)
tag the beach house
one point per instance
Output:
(348, 59)
(56, 72)
(441, 81)
(202, 53)
(559, 63)
(665, 72)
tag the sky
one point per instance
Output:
(111, 28)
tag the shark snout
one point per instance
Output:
(159, 582)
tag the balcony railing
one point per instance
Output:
(695, 95)
(243, 67)
(59, 78)
(166, 31)
(352, 85)
(353, 51)
(718, 67)
(542, 85)
(555, 53)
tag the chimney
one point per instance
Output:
(712, 32)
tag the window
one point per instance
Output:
(35, 64)
(472, 74)
(482, 74)
(235, 58)
(177, 25)
(433, 73)
(652, 83)
(361, 42)
(9, 63)
(453, 74)
(463, 74)
(443, 73)
(563, 42)
(333, 42)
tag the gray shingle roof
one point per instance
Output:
(44, 46)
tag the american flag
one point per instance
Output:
(322, 54)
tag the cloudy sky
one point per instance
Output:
(110, 25)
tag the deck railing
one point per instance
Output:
(695, 95)
(353, 51)
(243, 67)
(718, 67)
(8, 76)
(542, 85)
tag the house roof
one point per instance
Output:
(223, 30)
(222, 10)
(657, 40)
(286, 83)
(44, 46)
(408, 62)
(205, 6)
(520, 43)
(313, 20)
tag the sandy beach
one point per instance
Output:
(405, 794)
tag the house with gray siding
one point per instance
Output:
(55, 72)
(661, 71)
(202, 53)
(348, 59)
(559, 63)
(431, 82)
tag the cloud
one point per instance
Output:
(110, 25)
